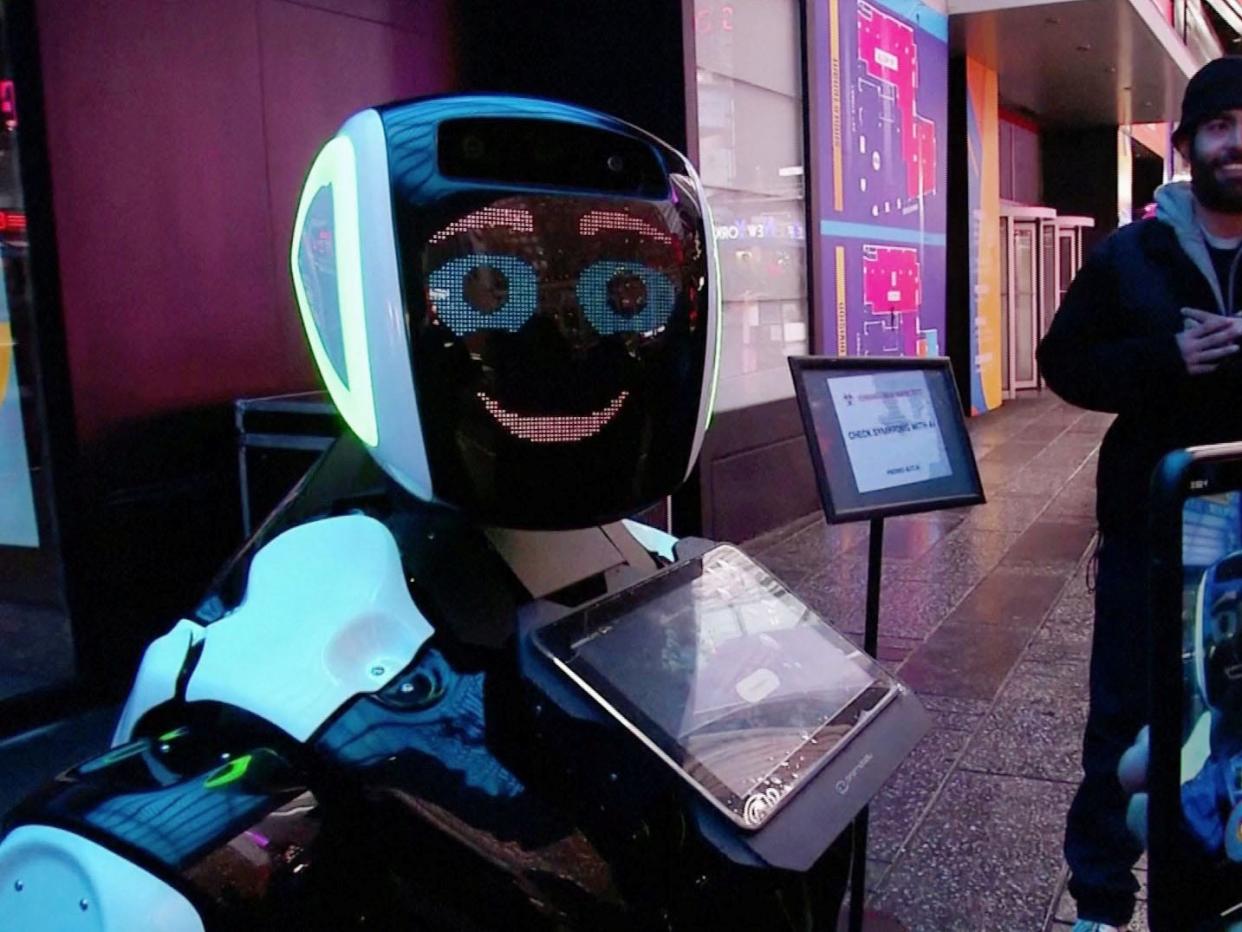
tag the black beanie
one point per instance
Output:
(1215, 88)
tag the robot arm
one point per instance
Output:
(327, 616)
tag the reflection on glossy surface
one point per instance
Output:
(264, 861)
(431, 716)
(717, 664)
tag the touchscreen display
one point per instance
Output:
(1211, 753)
(885, 436)
(737, 683)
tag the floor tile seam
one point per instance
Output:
(784, 541)
(1079, 466)
(957, 766)
(815, 576)
(878, 885)
(808, 521)
(974, 732)
(966, 595)
(902, 850)
(1061, 433)
(1038, 778)
(1068, 479)
(1043, 619)
(917, 823)
(1050, 916)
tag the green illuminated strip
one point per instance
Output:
(174, 734)
(336, 168)
(114, 756)
(234, 770)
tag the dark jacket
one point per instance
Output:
(1112, 347)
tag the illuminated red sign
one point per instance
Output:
(8, 105)
(12, 221)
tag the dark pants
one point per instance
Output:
(1100, 850)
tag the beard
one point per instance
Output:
(1214, 193)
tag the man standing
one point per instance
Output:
(1147, 330)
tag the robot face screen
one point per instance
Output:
(559, 354)
(1222, 633)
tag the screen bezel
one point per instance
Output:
(556, 640)
(838, 502)
(1180, 897)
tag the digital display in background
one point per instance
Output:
(887, 437)
(18, 526)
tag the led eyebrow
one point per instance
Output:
(599, 221)
(486, 219)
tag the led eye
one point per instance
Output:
(627, 294)
(483, 292)
(625, 297)
(486, 288)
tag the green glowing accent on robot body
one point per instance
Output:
(231, 772)
(336, 168)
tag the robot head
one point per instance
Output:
(1218, 635)
(513, 304)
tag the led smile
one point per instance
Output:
(553, 428)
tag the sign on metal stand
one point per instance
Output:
(887, 437)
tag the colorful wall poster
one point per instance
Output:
(18, 527)
(880, 117)
(983, 187)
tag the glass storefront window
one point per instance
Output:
(750, 117)
(36, 646)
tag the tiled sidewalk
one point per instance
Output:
(985, 613)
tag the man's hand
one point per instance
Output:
(1207, 339)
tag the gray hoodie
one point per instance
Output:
(1175, 205)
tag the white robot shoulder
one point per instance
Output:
(327, 615)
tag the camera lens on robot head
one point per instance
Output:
(472, 147)
(615, 163)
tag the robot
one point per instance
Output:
(513, 304)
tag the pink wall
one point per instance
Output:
(179, 134)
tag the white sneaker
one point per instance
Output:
(1086, 925)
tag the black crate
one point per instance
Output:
(278, 439)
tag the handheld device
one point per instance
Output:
(1195, 775)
